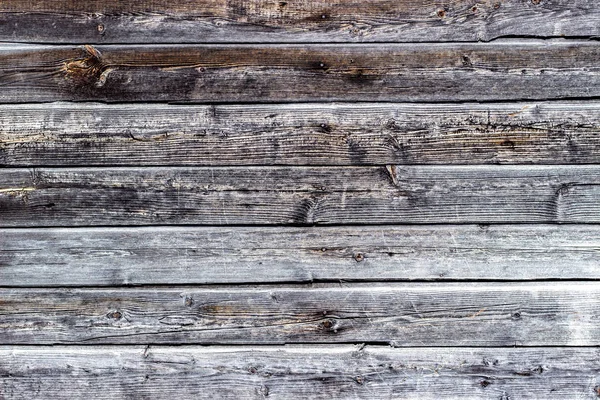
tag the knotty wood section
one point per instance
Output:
(320, 372)
(299, 195)
(66, 134)
(503, 70)
(196, 255)
(178, 21)
(415, 314)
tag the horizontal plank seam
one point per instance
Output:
(307, 225)
(301, 283)
(289, 42)
(279, 165)
(504, 39)
(207, 345)
(318, 101)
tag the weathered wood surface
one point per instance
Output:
(178, 21)
(415, 314)
(198, 255)
(64, 134)
(503, 70)
(316, 372)
(299, 195)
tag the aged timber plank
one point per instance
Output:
(415, 314)
(197, 255)
(316, 371)
(178, 21)
(65, 134)
(299, 195)
(503, 70)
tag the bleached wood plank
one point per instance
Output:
(197, 255)
(416, 314)
(283, 372)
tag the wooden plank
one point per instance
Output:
(323, 372)
(64, 134)
(415, 314)
(504, 70)
(299, 195)
(178, 21)
(198, 255)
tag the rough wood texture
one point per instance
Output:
(504, 70)
(416, 314)
(192, 255)
(299, 195)
(177, 21)
(63, 134)
(316, 372)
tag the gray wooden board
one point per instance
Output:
(284, 372)
(65, 134)
(502, 70)
(176, 21)
(198, 255)
(299, 195)
(410, 314)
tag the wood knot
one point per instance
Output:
(330, 326)
(115, 315)
(89, 70)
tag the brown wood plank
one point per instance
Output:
(65, 134)
(178, 21)
(415, 314)
(317, 372)
(198, 255)
(504, 70)
(299, 195)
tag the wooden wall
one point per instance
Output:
(299, 199)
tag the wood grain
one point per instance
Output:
(503, 70)
(415, 314)
(299, 195)
(315, 372)
(197, 255)
(64, 134)
(213, 21)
